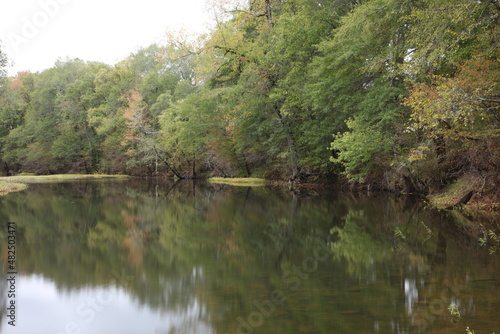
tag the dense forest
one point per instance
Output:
(397, 94)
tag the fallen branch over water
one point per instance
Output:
(463, 201)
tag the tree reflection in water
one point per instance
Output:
(201, 257)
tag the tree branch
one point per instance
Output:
(167, 164)
(246, 12)
(488, 100)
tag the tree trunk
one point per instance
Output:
(6, 168)
(291, 145)
(220, 169)
(87, 170)
(247, 168)
(269, 13)
(440, 143)
(464, 200)
(168, 165)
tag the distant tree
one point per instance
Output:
(3, 62)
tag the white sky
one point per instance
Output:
(35, 33)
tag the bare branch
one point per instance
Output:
(488, 100)
(246, 12)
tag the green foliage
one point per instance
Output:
(446, 30)
(358, 81)
(454, 313)
(355, 244)
(399, 234)
(460, 107)
(492, 239)
(360, 149)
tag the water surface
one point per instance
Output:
(146, 257)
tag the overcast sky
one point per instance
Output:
(35, 33)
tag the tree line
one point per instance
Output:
(396, 93)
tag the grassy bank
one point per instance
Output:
(19, 182)
(484, 204)
(58, 177)
(9, 187)
(241, 182)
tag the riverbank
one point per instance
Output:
(483, 205)
(9, 187)
(239, 181)
(9, 184)
(58, 177)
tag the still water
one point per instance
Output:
(123, 257)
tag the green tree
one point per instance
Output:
(50, 131)
(258, 59)
(160, 82)
(454, 119)
(3, 64)
(356, 78)
(444, 31)
(114, 86)
(14, 102)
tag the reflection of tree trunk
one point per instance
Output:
(294, 207)
(285, 234)
(440, 253)
(172, 188)
(247, 196)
